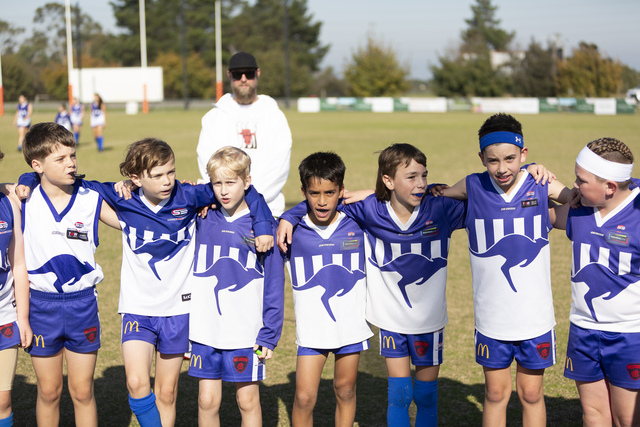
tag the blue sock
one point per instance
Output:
(7, 422)
(77, 136)
(425, 394)
(146, 410)
(99, 140)
(399, 395)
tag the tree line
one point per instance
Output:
(181, 34)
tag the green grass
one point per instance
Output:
(450, 143)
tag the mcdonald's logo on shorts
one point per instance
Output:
(388, 342)
(481, 349)
(196, 361)
(37, 339)
(129, 325)
(569, 364)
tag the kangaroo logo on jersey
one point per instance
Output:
(336, 281)
(417, 270)
(231, 276)
(7, 330)
(517, 251)
(240, 363)
(158, 247)
(598, 288)
(67, 268)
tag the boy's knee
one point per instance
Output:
(531, 395)
(81, 395)
(166, 395)
(208, 402)
(345, 392)
(138, 386)
(496, 393)
(50, 394)
(248, 402)
(305, 400)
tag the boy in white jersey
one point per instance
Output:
(508, 221)
(603, 354)
(60, 236)
(237, 304)
(326, 266)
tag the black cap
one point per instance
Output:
(242, 61)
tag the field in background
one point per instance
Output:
(450, 143)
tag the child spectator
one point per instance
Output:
(237, 304)
(326, 265)
(604, 337)
(508, 223)
(77, 115)
(60, 239)
(63, 118)
(406, 248)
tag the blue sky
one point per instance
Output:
(420, 30)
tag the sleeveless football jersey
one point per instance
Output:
(59, 248)
(237, 295)
(327, 270)
(22, 119)
(605, 268)
(510, 257)
(7, 296)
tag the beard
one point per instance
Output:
(245, 95)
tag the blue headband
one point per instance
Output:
(501, 137)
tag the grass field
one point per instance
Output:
(450, 143)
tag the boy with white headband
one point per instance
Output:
(603, 354)
(508, 221)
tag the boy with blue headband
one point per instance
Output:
(507, 222)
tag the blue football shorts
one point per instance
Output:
(424, 349)
(536, 353)
(9, 335)
(168, 334)
(593, 355)
(346, 349)
(64, 320)
(235, 366)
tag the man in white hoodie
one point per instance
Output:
(253, 123)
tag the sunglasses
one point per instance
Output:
(237, 75)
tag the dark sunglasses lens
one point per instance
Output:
(237, 75)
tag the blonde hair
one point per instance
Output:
(234, 159)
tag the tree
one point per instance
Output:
(483, 33)
(200, 81)
(326, 83)
(534, 75)
(587, 74)
(17, 78)
(374, 71)
(8, 34)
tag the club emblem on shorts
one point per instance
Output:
(634, 371)
(544, 349)
(3, 225)
(7, 330)
(91, 333)
(240, 363)
(421, 348)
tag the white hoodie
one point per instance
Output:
(261, 130)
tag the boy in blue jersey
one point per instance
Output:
(237, 304)
(406, 247)
(508, 221)
(158, 225)
(60, 223)
(326, 265)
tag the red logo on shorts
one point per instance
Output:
(240, 363)
(421, 347)
(544, 349)
(7, 330)
(634, 371)
(91, 333)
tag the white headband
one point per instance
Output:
(605, 169)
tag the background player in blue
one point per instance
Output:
(407, 245)
(98, 120)
(60, 224)
(326, 265)
(237, 305)
(63, 118)
(14, 300)
(22, 118)
(603, 353)
(77, 115)
(508, 221)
